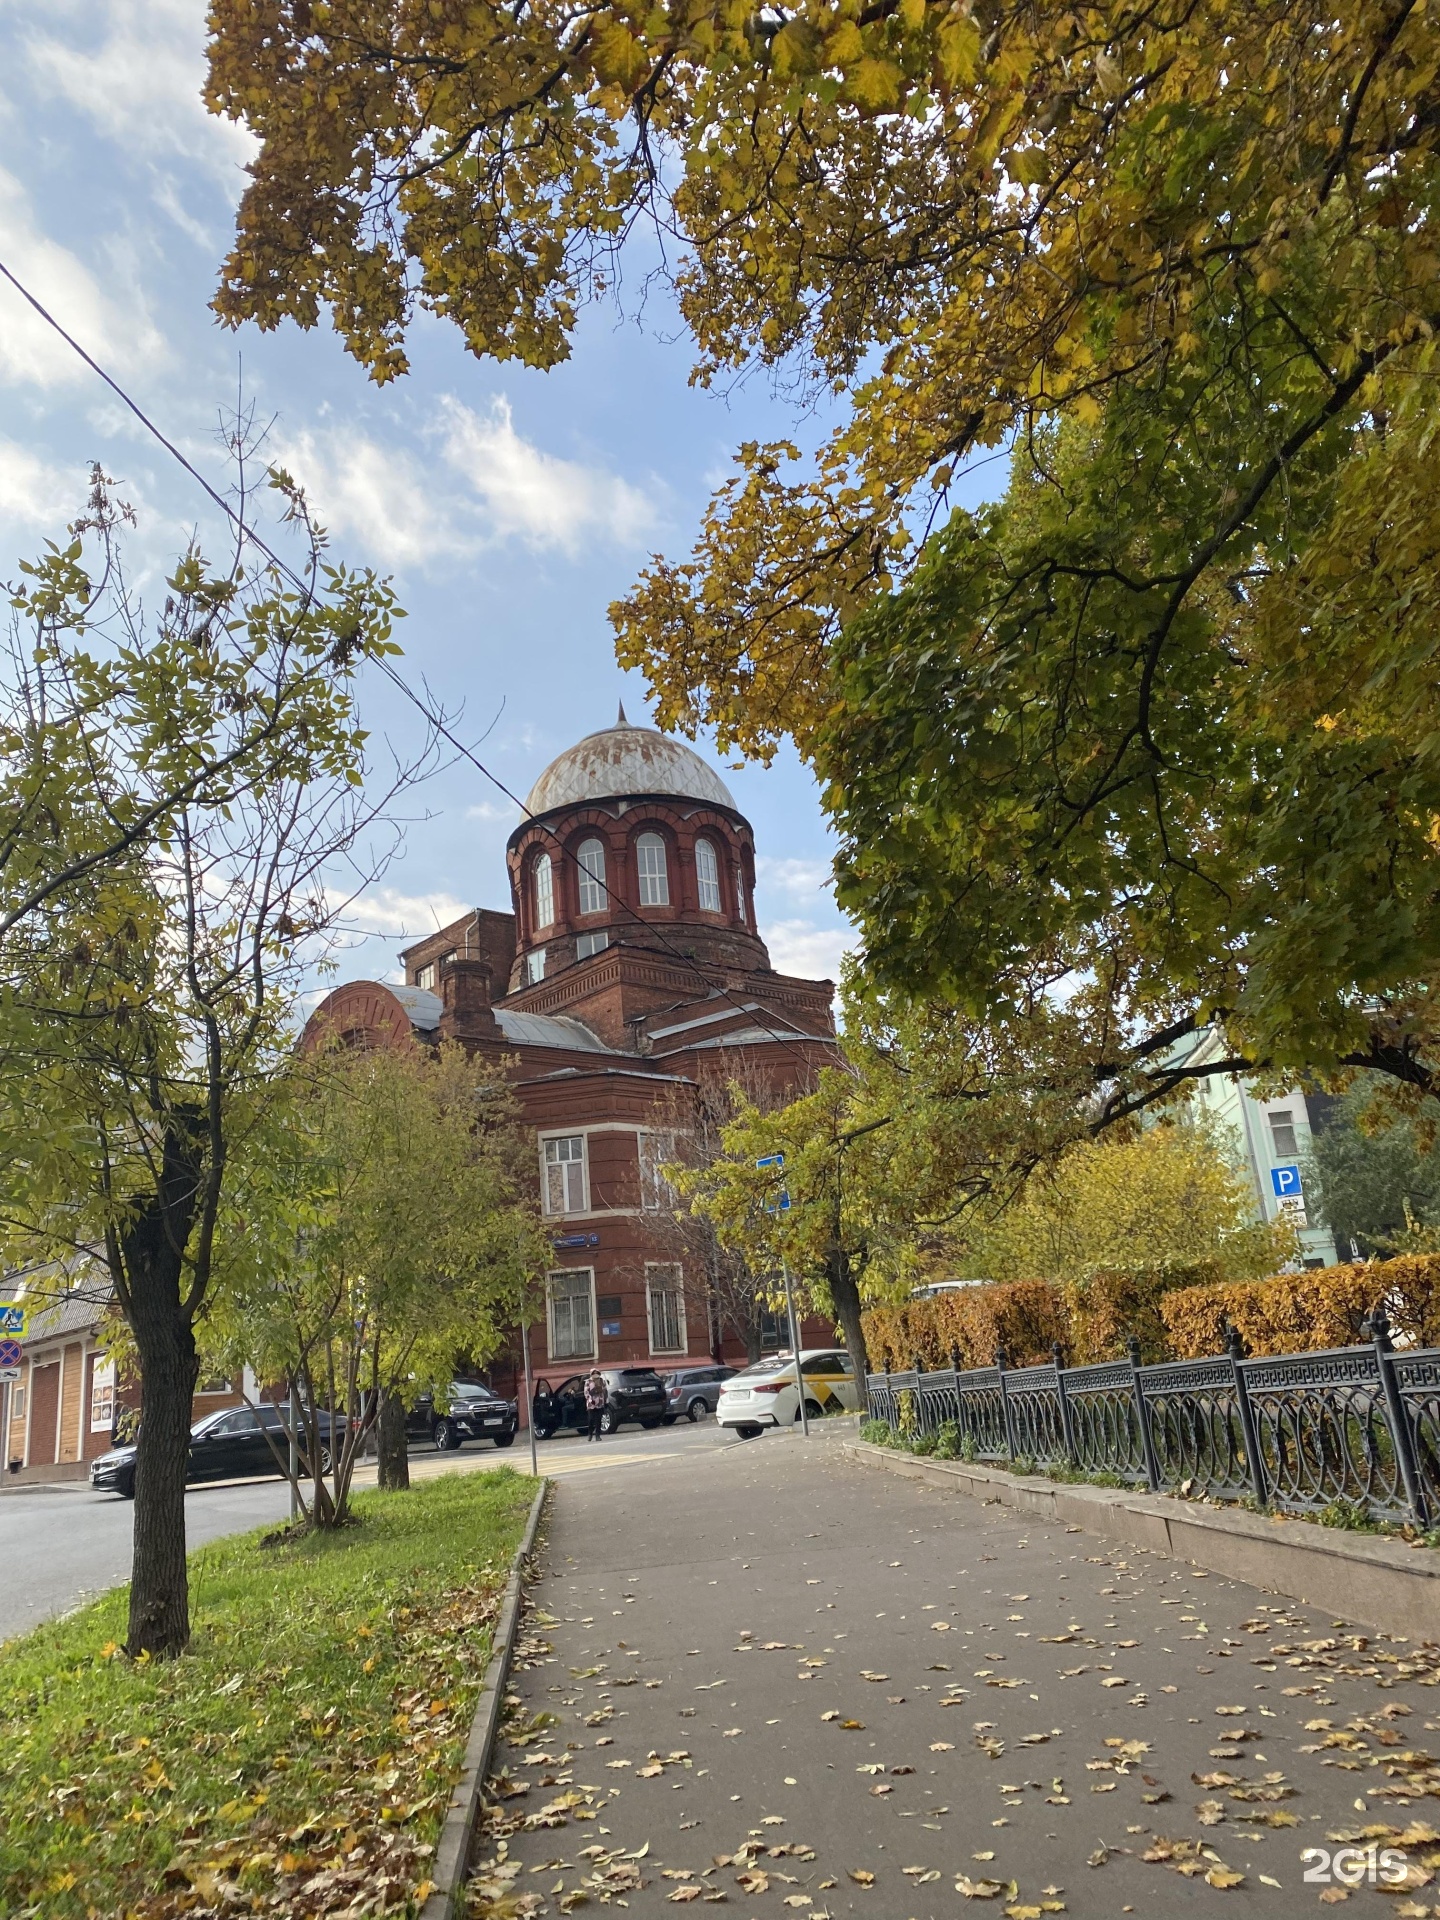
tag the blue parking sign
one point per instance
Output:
(1286, 1182)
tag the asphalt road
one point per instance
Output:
(61, 1545)
(775, 1675)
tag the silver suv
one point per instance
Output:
(693, 1391)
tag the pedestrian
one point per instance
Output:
(595, 1399)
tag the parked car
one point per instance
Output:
(635, 1393)
(693, 1391)
(468, 1411)
(234, 1444)
(765, 1395)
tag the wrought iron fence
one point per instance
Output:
(1300, 1431)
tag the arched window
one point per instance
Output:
(544, 892)
(740, 895)
(654, 877)
(591, 858)
(707, 872)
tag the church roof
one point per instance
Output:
(623, 760)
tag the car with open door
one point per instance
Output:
(632, 1394)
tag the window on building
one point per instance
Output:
(774, 1333)
(589, 943)
(535, 966)
(667, 1309)
(1282, 1134)
(425, 977)
(565, 1174)
(654, 875)
(544, 872)
(591, 860)
(17, 1402)
(656, 1193)
(707, 872)
(570, 1299)
(608, 1308)
(740, 895)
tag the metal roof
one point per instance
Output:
(548, 1030)
(622, 761)
(424, 1008)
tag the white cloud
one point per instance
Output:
(31, 353)
(409, 916)
(801, 880)
(800, 947)
(499, 487)
(527, 494)
(35, 493)
(138, 81)
(493, 812)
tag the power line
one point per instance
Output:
(432, 718)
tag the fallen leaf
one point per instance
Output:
(942, 1746)
(1224, 1877)
(862, 1876)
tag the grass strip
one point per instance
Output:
(298, 1760)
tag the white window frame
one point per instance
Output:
(656, 1193)
(656, 1288)
(587, 944)
(534, 966)
(425, 976)
(707, 876)
(542, 882)
(652, 869)
(1284, 1117)
(592, 875)
(571, 1173)
(740, 896)
(571, 1275)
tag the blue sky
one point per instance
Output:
(511, 507)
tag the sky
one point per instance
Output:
(509, 506)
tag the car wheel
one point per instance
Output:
(126, 1488)
(650, 1425)
(504, 1439)
(446, 1436)
(670, 1419)
(324, 1460)
(544, 1433)
(749, 1431)
(696, 1410)
(813, 1411)
(608, 1422)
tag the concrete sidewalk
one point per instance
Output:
(778, 1678)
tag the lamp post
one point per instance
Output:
(782, 1205)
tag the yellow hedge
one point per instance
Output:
(1025, 1317)
(1292, 1313)
(1299, 1312)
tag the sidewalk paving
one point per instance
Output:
(759, 1674)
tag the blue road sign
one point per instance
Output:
(11, 1353)
(1286, 1182)
(772, 1160)
(12, 1318)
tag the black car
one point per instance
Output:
(634, 1393)
(468, 1411)
(230, 1445)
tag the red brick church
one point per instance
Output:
(629, 970)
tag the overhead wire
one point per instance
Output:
(432, 718)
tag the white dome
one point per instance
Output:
(621, 761)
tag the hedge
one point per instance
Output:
(1291, 1313)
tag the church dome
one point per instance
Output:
(622, 761)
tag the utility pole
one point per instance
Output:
(782, 1205)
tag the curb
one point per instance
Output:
(457, 1836)
(1374, 1582)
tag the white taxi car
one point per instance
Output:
(765, 1395)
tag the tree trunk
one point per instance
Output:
(151, 1248)
(394, 1453)
(846, 1298)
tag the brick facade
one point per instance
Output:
(604, 1047)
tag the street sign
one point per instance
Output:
(12, 1318)
(8, 1373)
(771, 1160)
(1293, 1208)
(10, 1353)
(1286, 1182)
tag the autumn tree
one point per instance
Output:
(392, 1230)
(177, 783)
(1160, 720)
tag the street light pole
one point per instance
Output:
(795, 1347)
(529, 1396)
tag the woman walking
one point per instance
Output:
(595, 1399)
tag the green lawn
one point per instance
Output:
(303, 1751)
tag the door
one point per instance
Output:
(830, 1379)
(44, 1414)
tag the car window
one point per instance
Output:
(823, 1363)
(637, 1375)
(473, 1390)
